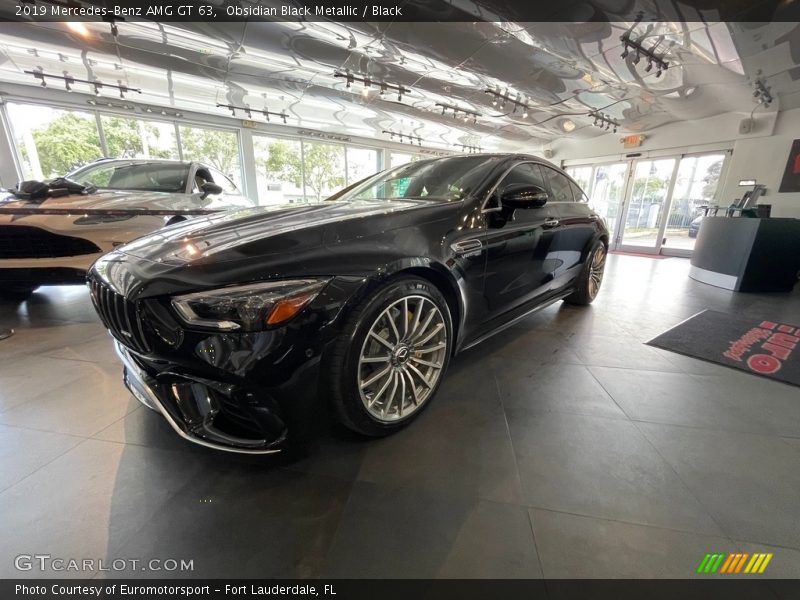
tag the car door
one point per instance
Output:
(519, 246)
(576, 229)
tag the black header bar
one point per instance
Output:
(401, 10)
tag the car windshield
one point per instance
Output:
(138, 176)
(439, 180)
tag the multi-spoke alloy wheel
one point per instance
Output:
(596, 269)
(402, 358)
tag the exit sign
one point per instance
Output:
(633, 141)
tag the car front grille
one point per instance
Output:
(17, 241)
(120, 316)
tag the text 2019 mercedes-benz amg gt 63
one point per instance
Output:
(239, 326)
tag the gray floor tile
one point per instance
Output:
(244, 520)
(604, 468)
(750, 483)
(89, 501)
(387, 532)
(572, 546)
(619, 351)
(731, 401)
(526, 388)
(24, 451)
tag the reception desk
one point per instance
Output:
(747, 255)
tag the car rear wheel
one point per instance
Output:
(392, 356)
(591, 278)
(18, 293)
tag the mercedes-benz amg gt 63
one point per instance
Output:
(238, 327)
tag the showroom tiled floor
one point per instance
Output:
(563, 447)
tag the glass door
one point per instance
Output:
(695, 186)
(647, 203)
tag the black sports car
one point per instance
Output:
(238, 326)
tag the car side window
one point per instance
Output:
(527, 173)
(222, 180)
(560, 190)
(578, 193)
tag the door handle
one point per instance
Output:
(551, 223)
(467, 247)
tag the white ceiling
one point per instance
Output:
(563, 70)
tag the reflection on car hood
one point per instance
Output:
(266, 230)
(114, 199)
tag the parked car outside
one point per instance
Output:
(38, 249)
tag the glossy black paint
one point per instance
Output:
(491, 265)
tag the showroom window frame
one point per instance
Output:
(77, 102)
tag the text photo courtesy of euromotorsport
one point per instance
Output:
(206, 11)
(187, 591)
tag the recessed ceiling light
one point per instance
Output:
(568, 125)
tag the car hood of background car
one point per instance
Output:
(115, 199)
(263, 231)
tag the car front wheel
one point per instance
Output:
(392, 357)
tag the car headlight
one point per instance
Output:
(252, 307)
(101, 219)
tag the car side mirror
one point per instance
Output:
(209, 188)
(523, 195)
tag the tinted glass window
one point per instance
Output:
(560, 190)
(139, 176)
(578, 193)
(440, 180)
(222, 180)
(525, 173)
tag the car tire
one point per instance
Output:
(379, 386)
(18, 293)
(591, 277)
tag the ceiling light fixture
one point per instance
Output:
(762, 92)
(367, 81)
(635, 44)
(79, 28)
(249, 112)
(466, 113)
(601, 120)
(401, 136)
(469, 149)
(69, 81)
(519, 102)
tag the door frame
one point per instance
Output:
(617, 243)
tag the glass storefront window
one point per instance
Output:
(216, 147)
(279, 170)
(136, 138)
(323, 170)
(361, 163)
(582, 176)
(52, 142)
(400, 158)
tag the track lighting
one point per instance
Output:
(466, 113)
(249, 112)
(634, 43)
(367, 81)
(401, 136)
(469, 149)
(762, 93)
(69, 81)
(516, 103)
(603, 121)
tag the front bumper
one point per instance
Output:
(193, 406)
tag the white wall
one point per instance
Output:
(759, 155)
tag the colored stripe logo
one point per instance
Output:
(734, 563)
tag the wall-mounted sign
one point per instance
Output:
(249, 124)
(633, 141)
(791, 175)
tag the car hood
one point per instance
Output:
(245, 234)
(111, 199)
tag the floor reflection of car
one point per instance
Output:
(694, 226)
(59, 249)
(239, 328)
